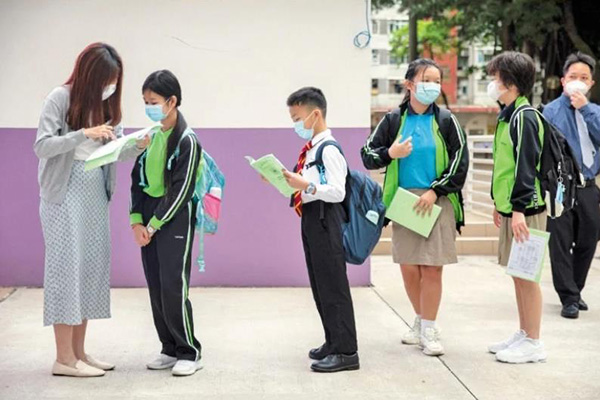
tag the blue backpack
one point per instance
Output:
(364, 206)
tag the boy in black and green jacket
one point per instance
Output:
(519, 204)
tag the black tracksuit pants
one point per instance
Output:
(325, 260)
(573, 239)
(167, 263)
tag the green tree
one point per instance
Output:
(434, 39)
(546, 29)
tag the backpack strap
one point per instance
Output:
(444, 120)
(318, 162)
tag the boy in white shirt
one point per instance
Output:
(319, 202)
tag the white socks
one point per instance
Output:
(425, 323)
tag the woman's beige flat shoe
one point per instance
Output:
(81, 370)
(91, 361)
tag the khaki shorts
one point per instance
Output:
(537, 221)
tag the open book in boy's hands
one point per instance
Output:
(272, 170)
(109, 153)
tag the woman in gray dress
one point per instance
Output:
(76, 119)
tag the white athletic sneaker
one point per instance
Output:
(524, 351)
(413, 336)
(496, 347)
(186, 367)
(163, 361)
(430, 342)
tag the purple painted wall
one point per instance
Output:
(258, 243)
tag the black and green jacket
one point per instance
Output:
(147, 178)
(517, 154)
(452, 156)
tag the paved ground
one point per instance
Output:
(256, 340)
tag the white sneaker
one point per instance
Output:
(163, 361)
(186, 367)
(524, 351)
(430, 342)
(413, 336)
(496, 347)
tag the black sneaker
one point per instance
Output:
(570, 311)
(337, 363)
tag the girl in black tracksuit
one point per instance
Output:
(163, 216)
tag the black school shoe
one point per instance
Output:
(582, 305)
(319, 353)
(337, 363)
(570, 311)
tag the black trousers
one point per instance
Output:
(573, 239)
(325, 260)
(167, 263)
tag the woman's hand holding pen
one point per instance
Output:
(100, 132)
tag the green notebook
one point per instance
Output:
(401, 211)
(271, 168)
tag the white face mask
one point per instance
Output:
(576, 86)
(108, 91)
(493, 90)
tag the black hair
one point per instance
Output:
(516, 69)
(417, 66)
(165, 84)
(308, 96)
(579, 57)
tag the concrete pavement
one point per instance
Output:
(255, 344)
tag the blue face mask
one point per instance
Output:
(155, 112)
(301, 131)
(427, 92)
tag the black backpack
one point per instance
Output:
(558, 167)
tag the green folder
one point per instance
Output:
(402, 212)
(272, 169)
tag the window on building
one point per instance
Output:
(395, 25)
(395, 86)
(482, 86)
(374, 84)
(384, 57)
(375, 27)
(375, 57)
(383, 27)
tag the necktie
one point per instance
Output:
(299, 168)
(587, 147)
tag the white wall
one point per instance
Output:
(239, 62)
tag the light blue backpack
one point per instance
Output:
(208, 195)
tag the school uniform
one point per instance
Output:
(439, 161)
(516, 186)
(167, 258)
(322, 217)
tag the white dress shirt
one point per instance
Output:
(336, 170)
